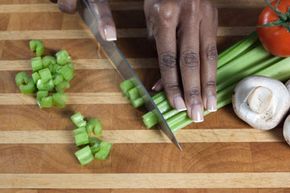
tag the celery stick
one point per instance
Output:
(150, 119)
(253, 57)
(237, 49)
(138, 102)
(247, 72)
(125, 86)
(170, 114)
(164, 106)
(159, 97)
(133, 94)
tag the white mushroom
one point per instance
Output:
(286, 130)
(261, 102)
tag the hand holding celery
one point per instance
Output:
(243, 59)
(88, 134)
(50, 77)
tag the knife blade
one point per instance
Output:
(88, 11)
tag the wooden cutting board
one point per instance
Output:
(222, 154)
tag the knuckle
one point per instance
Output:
(212, 53)
(167, 60)
(166, 11)
(190, 59)
(193, 93)
(211, 84)
(171, 87)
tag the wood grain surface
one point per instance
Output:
(221, 155)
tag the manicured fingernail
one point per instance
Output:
(179, 103)
(110, 33)
(211, 104)
(156, 85)
(197, 113)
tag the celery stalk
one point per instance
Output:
(237, 49)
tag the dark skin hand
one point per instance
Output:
(185, 33)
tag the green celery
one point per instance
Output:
(59, 99)
(125, 86)
(81, 139)
(159, 97)
(150, 119)
(96, 146)
(21, 78)
(41, 94)
(27, 88)
(45, 102)
(164, 106)
(237, 49)
(133, 94)
(251, 58)
(61, 87)
(48, 60)
(170, 114)
(57, 79)
(136, 103)
(37, 47)
(85, 155)
(36, 64)
(67, 72)
(104, 151)
(78, 120)
(45, 85)
(45, 75)
(35, 77)
(79, 130)
(94, 127)
(62, 57)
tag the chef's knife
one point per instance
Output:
(89, 14)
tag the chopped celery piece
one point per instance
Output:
(138, 102)
(159, 97)
(45, 85)
(67, 72)
(57, 79)
(170, 114)
(35, 77)
(125, 86)
(62, 86)
(150, 119)
(133, 94)
(96, 146)
(21, 78)
(45, 102)
(41, 94)
(48, 60)
(45, 75)
(94, 140)
(62, 57)
(27, 88)
(94, 127)
(84, 155)
(181, 124)
(104, 151)
(59, 99)
(79, 130)
(78, 120)
(176, 118)
(164, 106)
(54, 68)
(36, 64)
(81, 138)
(37, 47)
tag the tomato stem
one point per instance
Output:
(284, 18)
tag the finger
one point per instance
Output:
(157, 86)
(165, 23)
(209, 56)
(107, 26)
(190, 64)
(67, 6)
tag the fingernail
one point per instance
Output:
(179, 103)
(197, 113)
(110, 33)
(155, 85)
(211, 104)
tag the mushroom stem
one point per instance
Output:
(260, 99)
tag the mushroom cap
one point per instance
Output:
(286, 130)
(265, 92)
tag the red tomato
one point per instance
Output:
(275, 39)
